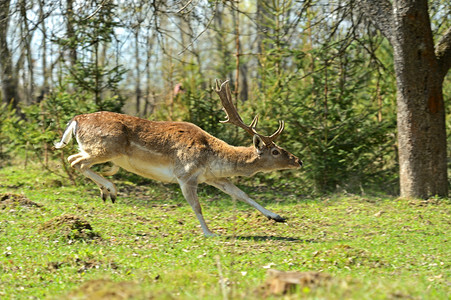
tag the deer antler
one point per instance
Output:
(223, 91)
(233, 117)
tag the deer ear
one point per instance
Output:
(258, 143)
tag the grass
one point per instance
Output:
(71, 245)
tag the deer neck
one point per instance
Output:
(237, 161)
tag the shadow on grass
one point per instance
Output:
(270, 238)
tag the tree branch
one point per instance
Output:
(443, 53)
(379, 12)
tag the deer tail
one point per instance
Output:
(67, 135)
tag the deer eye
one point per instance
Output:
(275, 152)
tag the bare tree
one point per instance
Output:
(27, 35)
(70, 32)
(45, 71)
(8, 74)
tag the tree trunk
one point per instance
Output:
(26, 41)
(420, 72)
(149, 107)
(8, 75)
(138, 73)
(421, 109)
(45, 72)
(70, 32)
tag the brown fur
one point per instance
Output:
(170, 151)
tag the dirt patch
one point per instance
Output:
(69, 227)
(14, 200)
(107, 289)
(280, 282)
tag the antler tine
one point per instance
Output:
(254, 122)
(225, 96)
(224, 93)
(270, 139)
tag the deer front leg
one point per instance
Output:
(189, 190)
(229, 188)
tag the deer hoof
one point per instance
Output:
(103, 196)
(279, 219)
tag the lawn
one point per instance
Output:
(61, 241)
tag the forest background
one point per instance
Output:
(321, 66)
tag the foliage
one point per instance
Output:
(89, 84)
(33, 134)
(201, 105)
(8, 121)
(99, 80)
(91, 71)
(343, 141)
(324, 95)
(319, 67)
(198, 103)
(149, 245)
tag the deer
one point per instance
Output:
(175, 152)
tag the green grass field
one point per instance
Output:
(60, 241)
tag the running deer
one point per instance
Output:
(178, 152)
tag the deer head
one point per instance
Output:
(264, 144)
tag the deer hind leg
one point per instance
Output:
(113, 170)
(229, 188)
(83, 161)
(189, 190)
